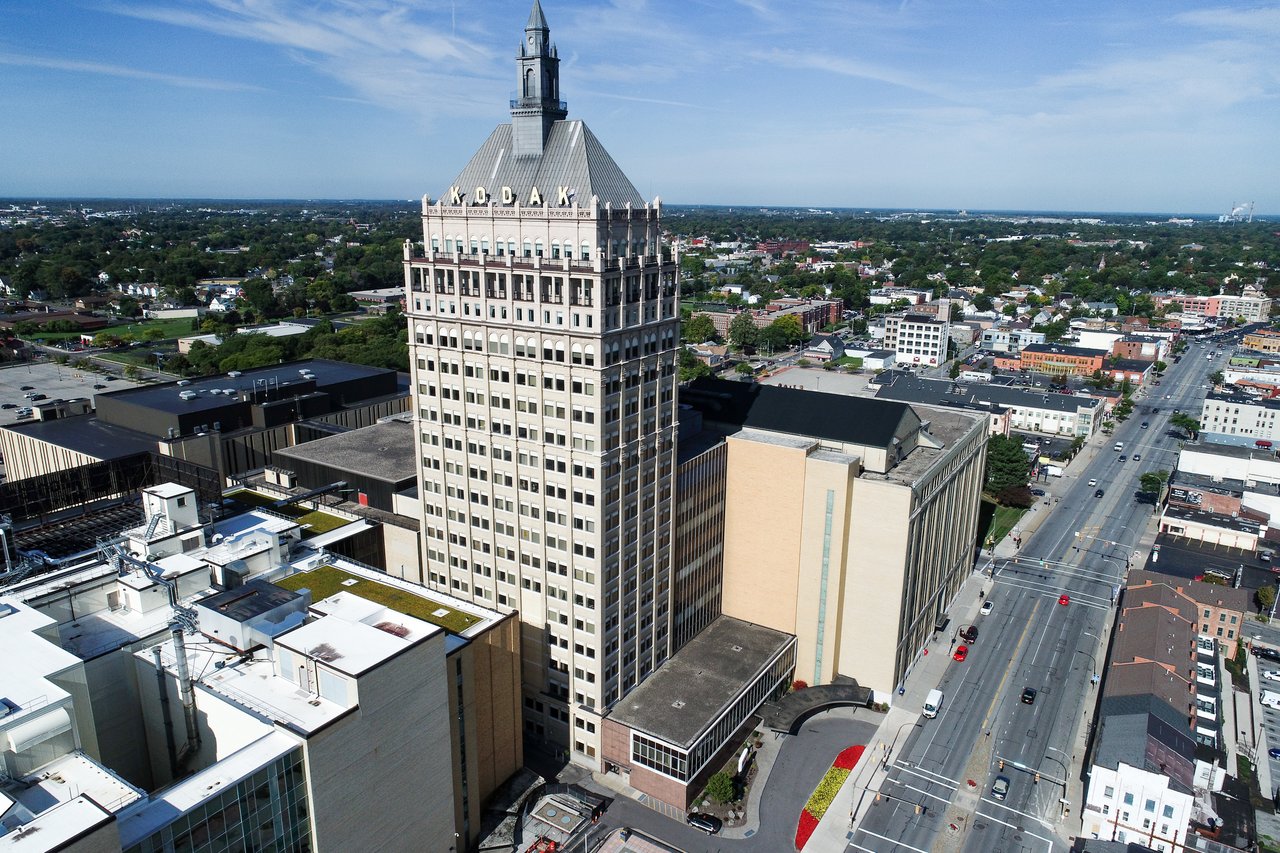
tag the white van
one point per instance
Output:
(1119, 446)
(933, 702)
(1270, 698)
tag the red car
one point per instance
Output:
(962, 652)
(1064, 599)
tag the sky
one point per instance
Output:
(1142, 106)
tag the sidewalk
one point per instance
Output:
(857, 795)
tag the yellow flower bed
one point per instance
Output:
(823, 795)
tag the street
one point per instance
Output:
(1082, 549)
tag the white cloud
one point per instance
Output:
(83, 67)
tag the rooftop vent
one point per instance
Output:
(679, 703)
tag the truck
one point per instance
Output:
(1053, 470)
(933, 703)
(1119, 446)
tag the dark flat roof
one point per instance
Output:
(383, 451)
(247, 601)
(1059, 349)
(836, 417)
(164, 397)
(684, 696)
(88, 435)
(912, 389)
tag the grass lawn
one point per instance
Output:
(328, 580)
(1003, 519)
(313, 521)
(177, 327)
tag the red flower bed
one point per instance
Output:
(848, 758)
(808, 823)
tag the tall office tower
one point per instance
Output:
(543, 329)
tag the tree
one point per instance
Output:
(699, 328)
(1152, 483)
(1160, 367)
(955, 369)
(1266, 597)
(743, 369)
(1187, 424)
(720, 787)
(690, 366)
(743, 333)
(789, 328)
(1216, 377)
(1006, 463)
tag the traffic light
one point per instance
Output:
(1002, 764)
(1037, 779)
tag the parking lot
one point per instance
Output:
(54, 381)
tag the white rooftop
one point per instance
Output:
(347, 642)
(57, 827)
(28, 660)
(167, 490)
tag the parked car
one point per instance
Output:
(1273, 753)
(1272, 674)
(969, 633)
(708, 823)
(1266, 653)
(1028, 696)
(962, 652)
(9, 406)
(1000, 789)
(98, 386)
(27, 388)
(39, 397)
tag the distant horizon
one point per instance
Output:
(745, 206)
(1151, 105)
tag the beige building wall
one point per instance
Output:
(26, 456)
(856, 565)
(763, 512)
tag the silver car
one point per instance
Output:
(1000, 789)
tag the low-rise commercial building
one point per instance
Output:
(1262, 340)
(229, 423)
(1234, 418)
(1025, 410)
(1003, 339)
(1059, 360)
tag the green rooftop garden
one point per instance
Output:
(328, 580)
(313, 521)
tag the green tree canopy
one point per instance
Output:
(1006, 463)
(743, 333)
(699, 328)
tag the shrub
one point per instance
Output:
(720, 787)
(799, 684)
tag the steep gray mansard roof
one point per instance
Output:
(572, 157)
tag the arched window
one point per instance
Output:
(467, 340)
(586, 251)
(484, 245)
(504, 345)
(528, 83)
(493, 344)
(528, 247)
(537, 248)
(555, 248)
(511, 248)
(589, 355)
(475, 246)
(560, 352)
(576, 354)
(519, 346)
(435, 242)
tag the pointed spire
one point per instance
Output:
(537, 21)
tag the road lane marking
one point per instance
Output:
(1008, 669)
(1001, 805)
(925, 774)
(1021, 829)
(891, 841)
